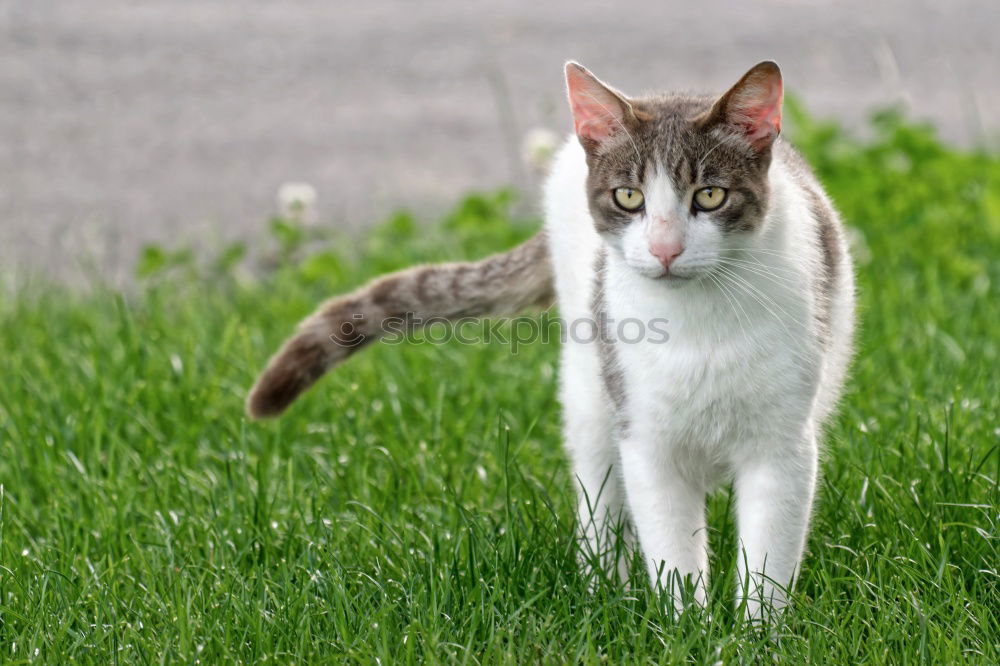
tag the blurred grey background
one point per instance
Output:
(175, 121)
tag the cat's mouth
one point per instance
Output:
(675, 280)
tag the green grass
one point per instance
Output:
(416, 505)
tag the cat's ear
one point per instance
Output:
(753, 106)
(599, 111)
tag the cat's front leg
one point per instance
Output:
(606, 536)
(668, 512)
(589, 439)
(774, 493)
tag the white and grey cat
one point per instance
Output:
(689, 209)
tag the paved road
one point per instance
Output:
(124, 122)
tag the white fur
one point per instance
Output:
(738, 393)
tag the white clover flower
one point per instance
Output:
(297, 202)
(538, 147)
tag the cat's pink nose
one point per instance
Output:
(666, 251)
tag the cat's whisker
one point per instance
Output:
(763, 271)
(734, 302)
(765, 301)
(758, 294)
(786, 285)
(798, 350)
(782, 254)
(799, 358)
(785, 282)
(785, 277)
(756, 260)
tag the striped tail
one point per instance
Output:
(502, 284)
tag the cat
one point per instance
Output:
(680, 208)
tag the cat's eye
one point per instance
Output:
(628, 199)
(709, 198)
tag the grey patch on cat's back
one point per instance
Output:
(829, 236)
(829, 242)
(611, 372)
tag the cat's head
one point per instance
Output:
(676, 182)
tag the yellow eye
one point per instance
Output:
(628, 199)
(709, 198)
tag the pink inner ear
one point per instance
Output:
(591, 127)
(597, 112)
(758, 109)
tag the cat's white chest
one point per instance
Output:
(723, 381)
